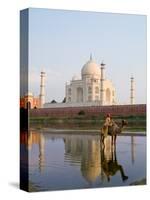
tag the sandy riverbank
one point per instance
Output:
(91, 132)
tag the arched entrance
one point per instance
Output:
(79, 94)
(28, 105)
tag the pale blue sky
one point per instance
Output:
(60, 42)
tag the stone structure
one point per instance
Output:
(28, 101)
(91, 87)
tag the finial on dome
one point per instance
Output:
(90, 56)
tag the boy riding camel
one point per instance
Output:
(108, 122)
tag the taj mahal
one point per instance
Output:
(91, 88)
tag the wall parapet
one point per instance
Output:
(115, 110)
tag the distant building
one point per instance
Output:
(29, 101)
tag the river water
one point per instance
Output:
(74, 160)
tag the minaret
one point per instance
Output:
(132, 91)
(102, 84)
(42, 89)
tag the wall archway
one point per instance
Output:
(28, 105)
(79, 94)
(69, 91)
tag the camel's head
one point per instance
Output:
(124, 122)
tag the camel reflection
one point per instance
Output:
(109, 164)
(97, 160)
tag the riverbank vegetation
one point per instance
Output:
(135, 123)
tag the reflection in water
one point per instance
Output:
(95, 159)
(91, 161)
(29, 139)
(41, 153)
(132, 149)
(111, 166)
(52, 154)
(85, 151)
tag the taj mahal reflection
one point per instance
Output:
(95, 161)
(87, 152)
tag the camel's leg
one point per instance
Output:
(123, 176)
(112, 152)
(102, 139)
(111, 140)
(115, 155)
(115, 138)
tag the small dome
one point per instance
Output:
(75, 77)
(91, 68)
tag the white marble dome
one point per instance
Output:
(91, 68)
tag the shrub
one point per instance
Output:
(81, 112)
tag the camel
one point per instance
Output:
(113, 131)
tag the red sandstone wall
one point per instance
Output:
(123, 110)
